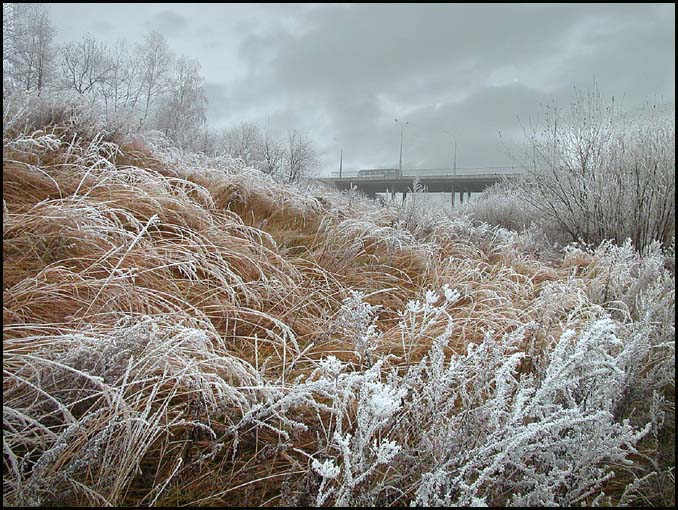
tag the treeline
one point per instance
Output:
(137, 87)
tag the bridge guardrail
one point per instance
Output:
(428, 172)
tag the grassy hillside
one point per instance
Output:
(180, 330)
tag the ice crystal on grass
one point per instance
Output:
(327, 469)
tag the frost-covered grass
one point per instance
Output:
(181, 330)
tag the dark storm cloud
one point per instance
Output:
(636, 59)
(399, 46)
(472, 123)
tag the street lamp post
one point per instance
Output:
(452, 187)
(454, 141)
(341, 157)
(341, 160)
(400, 167)
(455, 155)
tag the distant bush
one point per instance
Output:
(499, 205)
(26, 110)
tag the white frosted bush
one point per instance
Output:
(599, 173)
(357, 320)
(358, 454)
(546, 440)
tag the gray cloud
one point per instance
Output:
(103, 26)
(472, 69)
(169, 22)
(341, 73)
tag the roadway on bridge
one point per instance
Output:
(470, 183)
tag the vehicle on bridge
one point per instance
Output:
(379, 172)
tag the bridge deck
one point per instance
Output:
(431, 183)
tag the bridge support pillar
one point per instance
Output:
(404, 196)
(468, 195)
(461, 197)
(452, 192)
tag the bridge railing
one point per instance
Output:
(335, 175)
(438, 171)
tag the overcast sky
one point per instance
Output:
(341, 73)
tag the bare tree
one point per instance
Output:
(156, 61)
(27, 46)
(85, 64)
(120, 89)
(290, 161)
(183, 110)
(272, 156)
(300, 157)
(244, 142)
(8, 39)
(206, 141)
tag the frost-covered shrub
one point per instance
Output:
(419, 318)
(599, 173)
(618, 273)
(477, 428)
(357, 455)
(499, 205)
(539, 439)
(357, 321)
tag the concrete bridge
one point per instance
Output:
(395, 183)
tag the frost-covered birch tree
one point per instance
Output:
(272, 155)
(120, 90)
(243, 141)
(85, 65)
(300, 156)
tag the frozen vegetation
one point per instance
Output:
(593, 172)
(186, 330)
(188, 320)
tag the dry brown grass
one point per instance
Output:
(144, 303)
